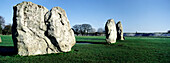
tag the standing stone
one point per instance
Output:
(119, 31)
(36, 30)
(111, 33)
(59, 30)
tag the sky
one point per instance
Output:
(135, 15)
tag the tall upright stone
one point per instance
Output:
(36, 30)
(59, 30)
(111, 32)
(119, 31)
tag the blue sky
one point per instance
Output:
(135, 15)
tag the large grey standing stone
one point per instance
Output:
(111, 33)
(59, 30)
(119, 31)
(36, 30)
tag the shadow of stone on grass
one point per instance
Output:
(7, 51)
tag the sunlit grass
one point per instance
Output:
(131, 50)
(90, 38)
(6, 40)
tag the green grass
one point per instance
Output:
(6, 40)
(90, 38)
(131, 50)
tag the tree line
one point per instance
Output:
(78, 28)
(4, 29)
(85, 29)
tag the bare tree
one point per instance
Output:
(2, 23)
(77, 29)
(100, 30)
(93, 30)
(7, 29)
(85, 28)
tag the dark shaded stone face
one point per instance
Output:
(119, 31)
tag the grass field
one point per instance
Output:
(7, 40)
(131, 50)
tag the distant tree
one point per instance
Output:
(100, 30)
(0, 29)
(7, 30)
(85, 28)
(93, 30)
(168, 31)
(2, 23)
(77, 29)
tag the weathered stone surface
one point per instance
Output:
(39, 31)
(59, 30)
(119, 31)
(111, 32)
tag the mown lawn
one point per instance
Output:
(6, 40)
(131, 50)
